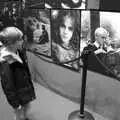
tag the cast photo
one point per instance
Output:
(37, 30)
(66, 4)
(65, 31)
(101, 42)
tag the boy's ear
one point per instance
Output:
(2, 59)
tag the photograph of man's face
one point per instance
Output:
(102, 40)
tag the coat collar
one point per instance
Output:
(8, 56)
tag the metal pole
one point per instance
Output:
(81, 114)
(83, 87)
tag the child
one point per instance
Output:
(15, 76)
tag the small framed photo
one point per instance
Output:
(37, 30)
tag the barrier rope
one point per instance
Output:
(49, 60)
(40, 54)
(101, 63)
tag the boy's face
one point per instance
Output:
(19, 44)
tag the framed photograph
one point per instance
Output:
(100, 38)
(65, 31)
(37, 30)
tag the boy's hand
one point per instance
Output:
(20, 115)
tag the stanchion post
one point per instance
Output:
(81, 114)
(83, 85)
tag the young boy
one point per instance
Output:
(15, 76)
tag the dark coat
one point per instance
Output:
(16, 82)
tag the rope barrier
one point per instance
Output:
(40, 54)
(49, 60)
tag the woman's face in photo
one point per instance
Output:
(66, 29)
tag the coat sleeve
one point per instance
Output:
(7, 84)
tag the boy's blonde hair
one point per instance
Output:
(10, 35)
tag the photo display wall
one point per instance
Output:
(62, 29)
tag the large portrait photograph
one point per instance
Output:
(65, 31)
(37, 30)
(100, 38)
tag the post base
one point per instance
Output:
(75, 115)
